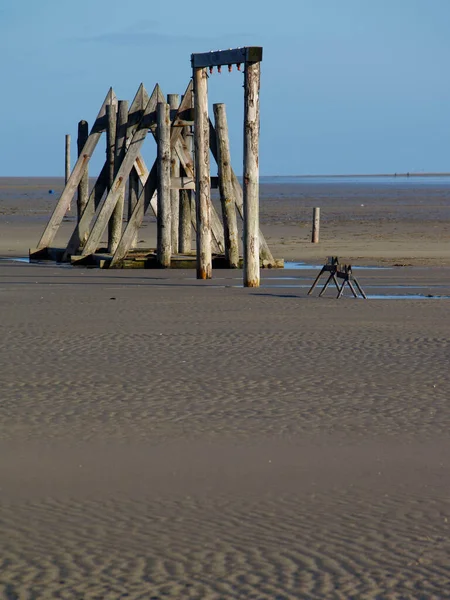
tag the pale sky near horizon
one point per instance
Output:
(348, 86)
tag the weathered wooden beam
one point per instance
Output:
(67, 159)
(251, 174)
(264, 251)
(202, 168)
(67, 164)
(81, 231)
(186, 199)
(107, 205)
(216, 224)
(83, 186)
(188, 183)
(133, 195)
(147, 196)
(233, 56)
(115, 223)
(174, 103)
(80, 234)
(111, 130)
(77, 173)
(231, 236)
(164, 218)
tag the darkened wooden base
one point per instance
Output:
(140, 259)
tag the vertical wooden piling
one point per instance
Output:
(164, 216)
(186, 200)
(83, 186)
(115, 223)
(251, 174)
(67, 163)
(67, 159)
(202, 174)
(111, 129)
(315, 226)
(133, 195)
(174, 102)
(226, 187)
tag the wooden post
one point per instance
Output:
(174, 102)
(133, 195)
(67, 163)
(226, 187)
(251, 174)
(164, 250)
(67, 156)
(83, 186)
(315, 226)
(202, 174)
(186, 200)
(115, 223)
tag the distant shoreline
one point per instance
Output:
(365, 175)
(341, 176)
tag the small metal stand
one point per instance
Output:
(338, 272)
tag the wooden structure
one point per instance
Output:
(158, 188)
(251, 58)
(338, 272)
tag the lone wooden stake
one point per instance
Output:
(226, 187)
(83, 186)
(174, 102)
(251, 174)
(164, 250)
(315, 226)
(115, 223)
(202, 174)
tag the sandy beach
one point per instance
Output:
(163, 437)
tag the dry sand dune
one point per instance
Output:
(162, 437)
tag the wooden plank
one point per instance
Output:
(107, 205)
(264, 251)
(232, 56)
(251, 174)
(115, 223)
(202, 169)
(174, 103)
(231, 236)
(77, 173)
(164, 218)
(83, 187)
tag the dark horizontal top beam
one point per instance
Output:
(233, 56)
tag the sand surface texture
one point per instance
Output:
(162, 437)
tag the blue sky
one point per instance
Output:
(348, 86)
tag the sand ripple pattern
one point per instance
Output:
(141, 550)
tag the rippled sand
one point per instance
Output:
(166, 438)
(162, 437)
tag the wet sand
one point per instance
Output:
(162, 437)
